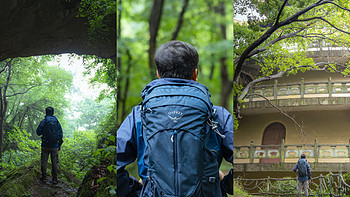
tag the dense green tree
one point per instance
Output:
(89, 114)
(278, 36)
(145, 25)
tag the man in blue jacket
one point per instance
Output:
(304, 175)
(51, 131)
(175, 61)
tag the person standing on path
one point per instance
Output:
(304, 175)
(51, 131)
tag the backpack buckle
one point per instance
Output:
(212, 179)
(214, 126)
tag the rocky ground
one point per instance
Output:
(25, 181)
(44, 189)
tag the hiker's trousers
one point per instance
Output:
(53, 152)
(301, 185)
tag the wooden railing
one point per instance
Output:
(329, 185)
(300, 90)
(283, 151)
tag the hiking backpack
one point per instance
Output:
(177, 120)
(50, 130)
(302, 169)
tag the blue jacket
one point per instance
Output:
(304, 178)
(130, 144)
(42, 130)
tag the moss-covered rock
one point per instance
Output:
(98, 182)
(24, 181)
(19, 180)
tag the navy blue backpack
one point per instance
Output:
(50, 129)
(177, 120)
(302, 169)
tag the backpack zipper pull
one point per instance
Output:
(172, 136)
(217, 132)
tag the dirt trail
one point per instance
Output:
(45, 189)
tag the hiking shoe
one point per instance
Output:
(54, 181)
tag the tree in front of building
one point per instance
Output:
(277, 36)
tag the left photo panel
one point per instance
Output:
(58, 98)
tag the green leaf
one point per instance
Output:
(101, 179)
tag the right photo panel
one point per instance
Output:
(291, 97)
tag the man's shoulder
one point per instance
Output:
(135, 114)
(51, 119)
(220, 109)
(303, 161)
(221, 112)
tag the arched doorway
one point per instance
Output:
(273, 134)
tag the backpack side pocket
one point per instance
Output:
(211, 179)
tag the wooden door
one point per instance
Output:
(273, 134)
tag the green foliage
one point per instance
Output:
(76, 153)
(104, 71)
(103, 160)
(238, 191)
(282, 186)
(287, 48)
(88, 115)
(106, 153)
(19, 180)
(24, 151)
(201, 28)
(293, 50)
(99, 14)
(346, 177)
(34, 85)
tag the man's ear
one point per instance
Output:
(195, 74)
(158, 75)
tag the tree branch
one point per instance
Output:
(282, 37)
(343, 8)
(180, 21)
(7, 81)
(6, 65)
(252, 83)
(22, 92)
(321, 18)
(239, 65)
(304, 134)
(280, 12)
(318, 36)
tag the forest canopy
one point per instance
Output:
(145, 25)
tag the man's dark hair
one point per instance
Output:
(49, 111)
(176, 59)
(302, 156)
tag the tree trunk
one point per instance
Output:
(226, 83)
(180, 20)
(4, 104)
(118, 59)
(154, 21)
(127, 81)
